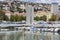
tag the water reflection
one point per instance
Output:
(28, 35)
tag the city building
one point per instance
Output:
(41, 9)
(54, 8)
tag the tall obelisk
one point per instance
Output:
(29, 14)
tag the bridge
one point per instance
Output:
(48, 27)
(29, 25)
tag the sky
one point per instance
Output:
(41, 1)
(44, 1)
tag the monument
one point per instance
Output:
(29, 14)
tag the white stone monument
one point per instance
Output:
(54, 8)
(29, 14)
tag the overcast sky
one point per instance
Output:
(41, 1)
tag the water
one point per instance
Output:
(26, 35)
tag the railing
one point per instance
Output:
(27, 35)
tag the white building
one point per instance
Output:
(54, 8)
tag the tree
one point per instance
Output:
(23, 17)
(44, 18)
(12, 18)
(17, 18)
(36, 18)
(53, 18)
(20, 18)
(58, 18)
(6, 18)
(3, 16)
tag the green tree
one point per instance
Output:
(18, 18)
(23, 17)
(58, 18)
(36, 18)
(3, 16)
(53, 18)
(6, 18)
(12, 18)
(44, 18)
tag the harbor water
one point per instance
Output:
(28, 35)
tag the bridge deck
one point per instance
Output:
(30, 25)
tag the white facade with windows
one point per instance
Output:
(54, 8)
